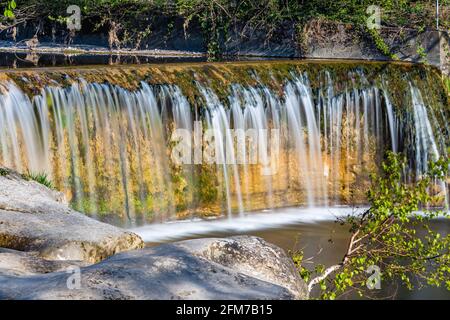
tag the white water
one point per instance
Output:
(265, 220)
(106, 147)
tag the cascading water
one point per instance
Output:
(109, 148)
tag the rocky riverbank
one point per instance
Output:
(34, 218)
(49, 251)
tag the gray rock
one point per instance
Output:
(17, 263)
(184, 270)
(35, 218)
(251, 256)
(20, 195)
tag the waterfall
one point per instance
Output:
(218, 120)
(108, 148)
(425, 144)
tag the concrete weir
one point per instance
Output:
(133, 145)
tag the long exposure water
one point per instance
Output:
(111, 149)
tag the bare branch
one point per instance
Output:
(323, 276)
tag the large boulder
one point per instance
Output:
(251, 256)
(36, 218)
(183, 270)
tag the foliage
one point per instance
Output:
(8, 12)
(392, 235)
(39, 177)
(421, 52)
(3, 172)
(447, 85)
(381, 44)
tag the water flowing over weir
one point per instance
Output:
(106, 137)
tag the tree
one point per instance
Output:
(391, 235)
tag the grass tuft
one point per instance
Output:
(39, 177)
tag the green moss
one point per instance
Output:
(381, 44)
(207, 186)
(86, 205)
(447, 85)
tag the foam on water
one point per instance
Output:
(263, 220)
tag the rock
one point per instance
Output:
(21, 195)
(194, 269)
(35, 218)
(251, 256)
(32, 43)
(17, 263)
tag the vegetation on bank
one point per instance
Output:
(130, 22)
(39, 177)
(390, 238)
